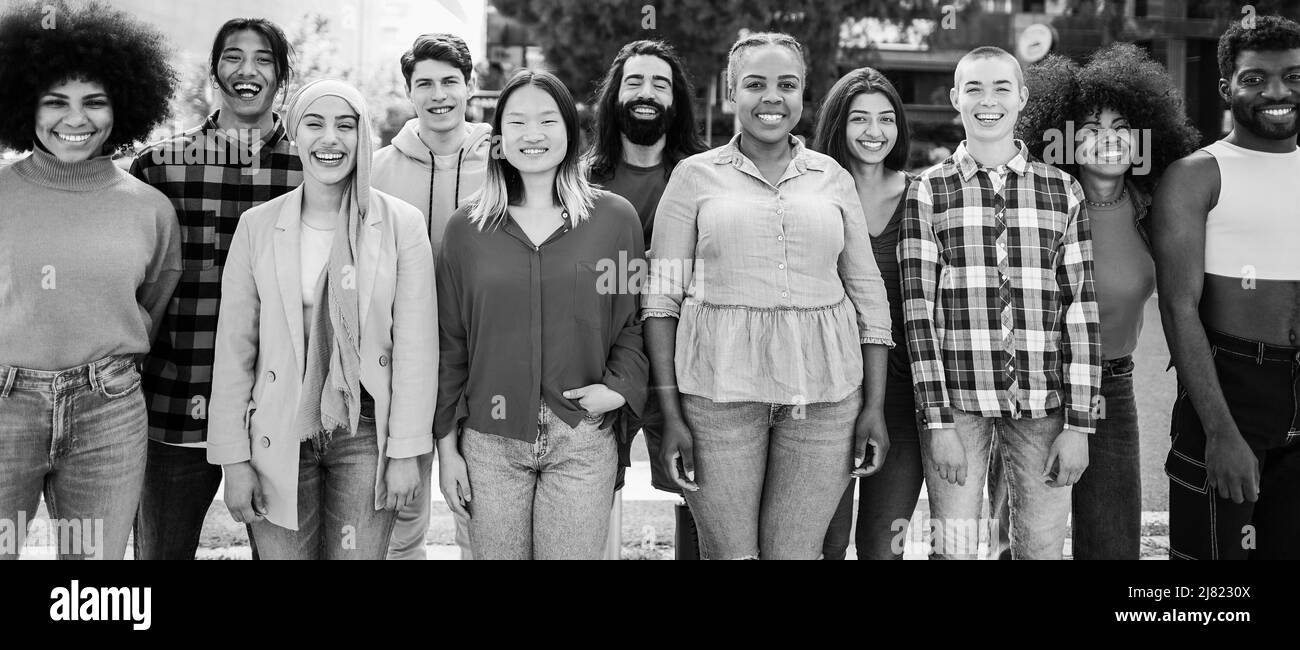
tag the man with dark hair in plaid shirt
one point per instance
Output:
(1001, 321)
(239, 158)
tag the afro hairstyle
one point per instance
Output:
(43, 44)
(1268, 34)
(1121, 77)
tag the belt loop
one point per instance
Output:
(11, 373)
(1259, 354)
(92, 374)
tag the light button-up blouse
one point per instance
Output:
(775, 286)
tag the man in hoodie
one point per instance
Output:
(436, 162)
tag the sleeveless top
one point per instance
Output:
(1254, 230)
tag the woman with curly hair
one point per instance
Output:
(1123, 119)
(89, 256)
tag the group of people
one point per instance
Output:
(317, 323)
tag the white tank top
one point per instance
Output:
(1254, 229)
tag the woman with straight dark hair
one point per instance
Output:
(538, 287)
(320, 384)
(863, 127)
(767, 324)
(89, 256)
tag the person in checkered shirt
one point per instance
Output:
(240, 157)
(1001, 320)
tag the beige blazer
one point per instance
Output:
(258, 369)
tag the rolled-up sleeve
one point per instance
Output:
(673, 245)
(858, 270)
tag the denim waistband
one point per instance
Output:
(1118, 366)
(12, 377)
(1246, 347)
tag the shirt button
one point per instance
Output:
(781, 266)
(270, 376)
(383, 361)
(780, 211)
(266, 442)
(785, 294)
(780, 237)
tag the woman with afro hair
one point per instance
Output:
(89, 256)
(1114, 124)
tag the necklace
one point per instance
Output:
(1106, 204)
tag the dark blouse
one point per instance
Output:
(520, 323)
(885, 248)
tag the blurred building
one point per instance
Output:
(370, 33)
(920, 58)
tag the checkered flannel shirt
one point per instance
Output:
(1000, 313)
(209, 199)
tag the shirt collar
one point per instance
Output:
(730, 154)
(967, 165)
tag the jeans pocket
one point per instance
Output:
(198, 240)
(120, 384)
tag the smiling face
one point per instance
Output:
(74, 119)
(439, 94)
(327, 140)
(872, 128)
(1104, 144)
(989, 96)
(769, 93)
(246, 75)
(645, 99)
(533, 136)
(1264, 93)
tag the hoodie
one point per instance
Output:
(437, 185)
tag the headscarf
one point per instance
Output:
(333, 364)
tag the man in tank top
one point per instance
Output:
(1226, 225)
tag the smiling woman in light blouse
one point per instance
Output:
(764, 300)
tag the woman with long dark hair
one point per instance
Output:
(538, 287)
(89, 257)
(863, 127)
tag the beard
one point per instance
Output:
(1252, 121)
(642, 131)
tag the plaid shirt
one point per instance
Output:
(210, 181)
(1001, 318)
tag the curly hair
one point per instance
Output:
(1120, 77)
(43, 44)
(1268, 34)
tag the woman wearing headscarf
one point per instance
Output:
(89, 257)
(321, 402)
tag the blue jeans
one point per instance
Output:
(179, 485)
(890, 496)
(79, 435)
(770, 475)
(337, 519)
(545, 500)
(1038, 512)
(1107, 501)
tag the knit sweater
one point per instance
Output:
(89, 256)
